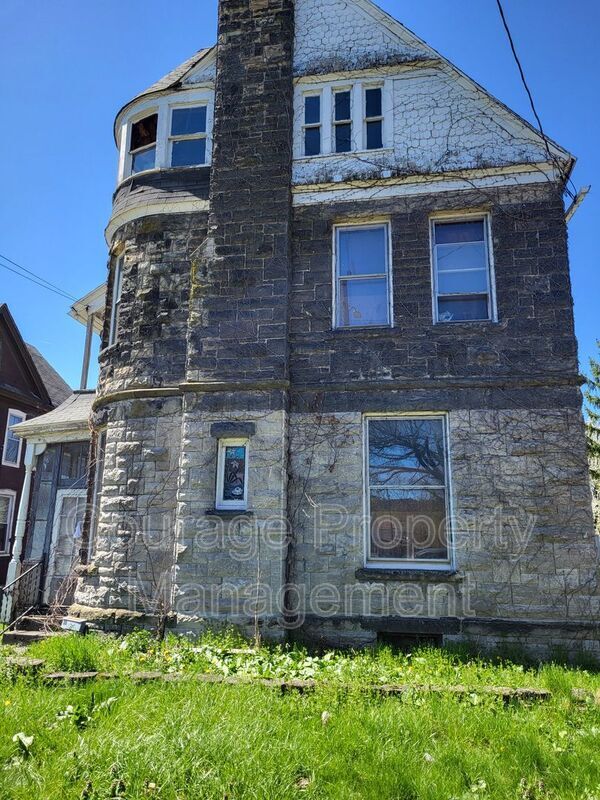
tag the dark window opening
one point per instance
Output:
(409, 641)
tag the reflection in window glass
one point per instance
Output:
(462, 271)
(407, 490)
(362, 275)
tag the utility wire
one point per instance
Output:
(37, 279)
(552, 158)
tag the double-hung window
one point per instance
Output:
(142, 148)
(462, 271)
(232, 475)
(407, 491)
(11, 452)
(373, 118)
(362, 294)
(113, 333)
(7, 505)
(342, 120)
(188, 136)
(312, 124)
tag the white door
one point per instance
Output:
(69, 512)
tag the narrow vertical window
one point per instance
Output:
(373, 118)
(407, 490)
(343, 121)
(188, 136)
(462, 271)
(312, 124)
(232, 474)
(362, 270)
(113, 334)
(11, 452)
(143, 143)
(7, 500)
(97, 494)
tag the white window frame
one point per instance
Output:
(231, 505)
(130, 153)
(468, 216)
(311, 125)
(335, 123)
(416, 564)
(357, 87)
(188, 137)
(115, 310)
(22, 417)
(162, 106)
(349, 226)
(365, 88)
(12, 499)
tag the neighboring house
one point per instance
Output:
(54, 500)
(339, 389)
(29, 386)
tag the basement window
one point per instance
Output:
(407, 491)
(462, 270)
(362, 295)
(143, 143)
(188, 136)
(232, 475)
(312, 124)
(11, 453)
(7, 502)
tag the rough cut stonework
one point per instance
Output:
(225, 329)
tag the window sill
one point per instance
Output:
(377, 574)
(349, 154)
(156, 171)
(229, 513)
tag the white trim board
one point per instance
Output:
(382, 189)
(149, 209)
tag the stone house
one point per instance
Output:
(339, 391)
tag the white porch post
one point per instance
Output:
(32, 450)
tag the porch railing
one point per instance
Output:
(21, 596)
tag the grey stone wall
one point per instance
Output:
(160, 254)
(534, 334)
(134, 546)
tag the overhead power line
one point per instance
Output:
(551, 157)
(29, 275)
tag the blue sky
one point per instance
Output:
(67, 66)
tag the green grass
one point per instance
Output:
(191, 741)
(195, 741)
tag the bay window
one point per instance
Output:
(188, 136)
(407, 491)
(113, 333)
(142, 148)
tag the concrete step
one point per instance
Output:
(39, 622)
(26, 637)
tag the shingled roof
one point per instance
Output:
(57, 388)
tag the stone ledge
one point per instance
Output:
(226, 513)
(374, 574)
(221, 430)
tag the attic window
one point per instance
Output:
(143, 143)
(188, 136)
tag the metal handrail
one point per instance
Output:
(3, 589)
(13, 589)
